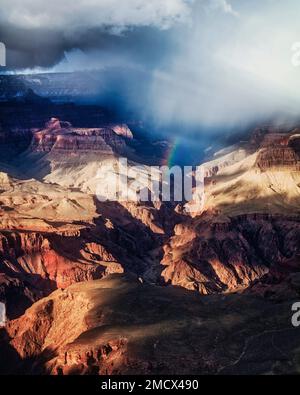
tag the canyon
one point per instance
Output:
(181, 332)
(95, 287)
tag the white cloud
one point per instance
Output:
(70, 15)
(225, 6)
(232, 70)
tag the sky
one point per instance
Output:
(202, 62)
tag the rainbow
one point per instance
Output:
(171, 152)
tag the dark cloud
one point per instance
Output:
(43, 48)
(33, 47)
(204, 62)
(37, 33)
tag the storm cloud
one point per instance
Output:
(38, 33)
(73, 16)
(194, 62)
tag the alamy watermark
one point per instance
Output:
(124, 183)
(296, 315)
(2, 55)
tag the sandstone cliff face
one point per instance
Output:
(66, 253)
(278, 158)
(228, 256)
(62, 137)
(50, 258)
(49, 261)
(122, 130)
(277, 150)
(249, 225)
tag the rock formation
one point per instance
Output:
(100, 327)
(62, 137)
(54, 233)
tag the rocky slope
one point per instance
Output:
(54, 233)
(210, 256)
(51, 237)
(249, 225)
(100, 327)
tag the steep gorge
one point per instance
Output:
(55, 233)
